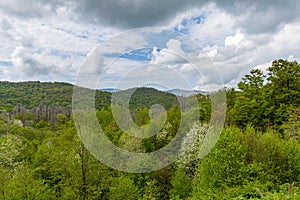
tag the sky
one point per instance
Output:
(192, 44)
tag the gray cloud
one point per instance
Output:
(28, 64)
(254, 16)
(134, 13)
(267, 16)
(26, 8)
(33, 68)
(270, 30)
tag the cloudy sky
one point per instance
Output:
(209, 44)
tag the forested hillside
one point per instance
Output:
(35, 93)
(31, 94)
(256, 157)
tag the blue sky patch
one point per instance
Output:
(82, 36)
(137, 55)
(4, 63)
(160, 40)
(184, 29)
(65, 54)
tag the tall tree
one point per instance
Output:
(283, 89)
(249, 104)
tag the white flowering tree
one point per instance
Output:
(11, 148)
(190, 147)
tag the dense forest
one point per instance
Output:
(256, 157)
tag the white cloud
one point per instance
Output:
(234, 40)
(214, 28)
(172, 54)
(187, 67)
(242, 51)
(49, 40)
(28, 8)
(47, 48)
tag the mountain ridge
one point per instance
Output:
(175, 91)
(31, 94)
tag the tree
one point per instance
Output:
(23, 185)
(252, 82)
(5, 177)
(283, 89)
(142, 117)
(11, 150)
(291, 128)
(124, 188)
(249, 106)
(284, 77)
(181, 184)
(190, 148)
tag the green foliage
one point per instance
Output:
(146, 97)
(181, 185)
(256, 157)
(292, 127)
(142, 117)
(11, 149)
(190, 148)
(249, 103)
(24, 186)
(123, 188)
(266, 103)
(224, 165)
(151, 190)
(247, 165)
(33, 93)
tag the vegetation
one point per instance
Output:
(31, 94)
(256, 157)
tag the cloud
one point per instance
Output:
(187, 67)
(32, 65)
(253, 16)
(268, 16)
(234, 40)
(214, 27)
(47, 48)
(50, 39)
(243, 51)
(193, 65)
(134, 13)
(27, 8)
(172, 54)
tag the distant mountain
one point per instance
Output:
(185, 93)
(111, 90)
(177, 92)
(35, 93)
(146, 97)
(31, 94)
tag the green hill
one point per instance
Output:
(34, 93)
(146, 97)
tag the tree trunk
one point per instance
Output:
(84, 171)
